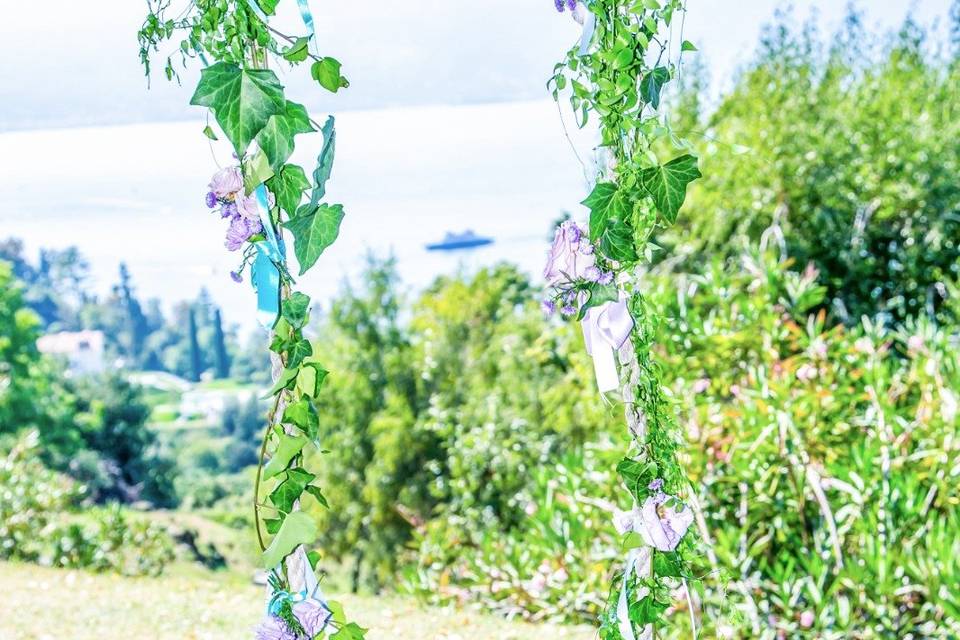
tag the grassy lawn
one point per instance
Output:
(39, 604)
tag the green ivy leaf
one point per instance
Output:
(289, 490)
(256, 171)
(276, 138)
(288, 448)
(597, 295)
(652, 84)
(688, 46)
(273, 525)
(311, 378)
(318, 494)
(667, 184)
(297, 528)
(295, 309)
(350, 631)
(242, 100)
(208, 131)
(646, 611)
(667, 564)
(298, 351)
(303, 414)
(286, 380)
(314, 557)
(336, 612)
(298, 51)
(326, 71)
(616, 241)
(314, 229)
(268, 6)
(636, 476)
(324, 162)
(288, 186)
(599, 204)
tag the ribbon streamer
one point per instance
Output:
(605, 329)
(634, 557)
(589, 26)
(265, 274)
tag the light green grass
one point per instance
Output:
(37, 603)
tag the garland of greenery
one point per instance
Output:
(618, 73)
(260, 196)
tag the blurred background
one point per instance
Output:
(811, 303)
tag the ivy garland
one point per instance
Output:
(259, 197)
(618, 72)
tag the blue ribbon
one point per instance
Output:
(304, 14)
(281, 596)
(265, 274)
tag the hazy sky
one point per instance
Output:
(65, 63)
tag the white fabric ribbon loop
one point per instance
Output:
(605, 329)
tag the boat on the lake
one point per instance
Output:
(466, 240)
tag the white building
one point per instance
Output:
(83, 350)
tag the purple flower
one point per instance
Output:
(211, 199)
(227, 182)
(273, 628)
(229, 210)
(312, 615)
(568, 309)
(592, 274)
(549, 307)
(605, 278)
(565, 261)
(236, 277)
(240, 231)
(559, 5)
(656, 485)
(571, 4)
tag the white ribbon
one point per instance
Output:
(640, 556)
(605, 329)
(589, 25)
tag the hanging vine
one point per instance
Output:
(259, 197)
(617, 74)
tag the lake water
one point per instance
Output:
(405, 176)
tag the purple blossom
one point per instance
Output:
(236, 277)
(229, 210)
(568, 309)
(571, 4)
(211, 199)
(273, 628)
(605, 278)
(592, 274)
(240, 231)
(656, 485)
(559, 5)
(549, 307)
(313, 616)
(227, 182)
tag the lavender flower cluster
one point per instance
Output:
(313, 616)
(571, 265)
(565, 4)
(226, 191)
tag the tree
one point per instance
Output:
(196, 358)
(220, 358)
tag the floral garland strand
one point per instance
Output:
(617, 73)
(259, 197)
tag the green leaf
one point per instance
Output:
(268, 6)
(633, 540)
(288, 448)
(350, 631)
(256, 171)
(324, 162)
(318, 494)
(295, 309)
(298, 351)
(242, 100)
(297, 528)
(288, 186)
(652, 84)
(646, 611)
(311, 378)
(326, 71)
(276, 138)
(303, 415)
(599, 202)
(598, 294)
(336, 611)
(688, 46)
(636, 476)
(298, 51)
(273, 525)
(667, 564)
(314, 558)
(208, 131)
(289, 490)
(314, 229)
(616, 241)
(667, 184)
(285, 381)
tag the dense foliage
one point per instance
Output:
(846, 155)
